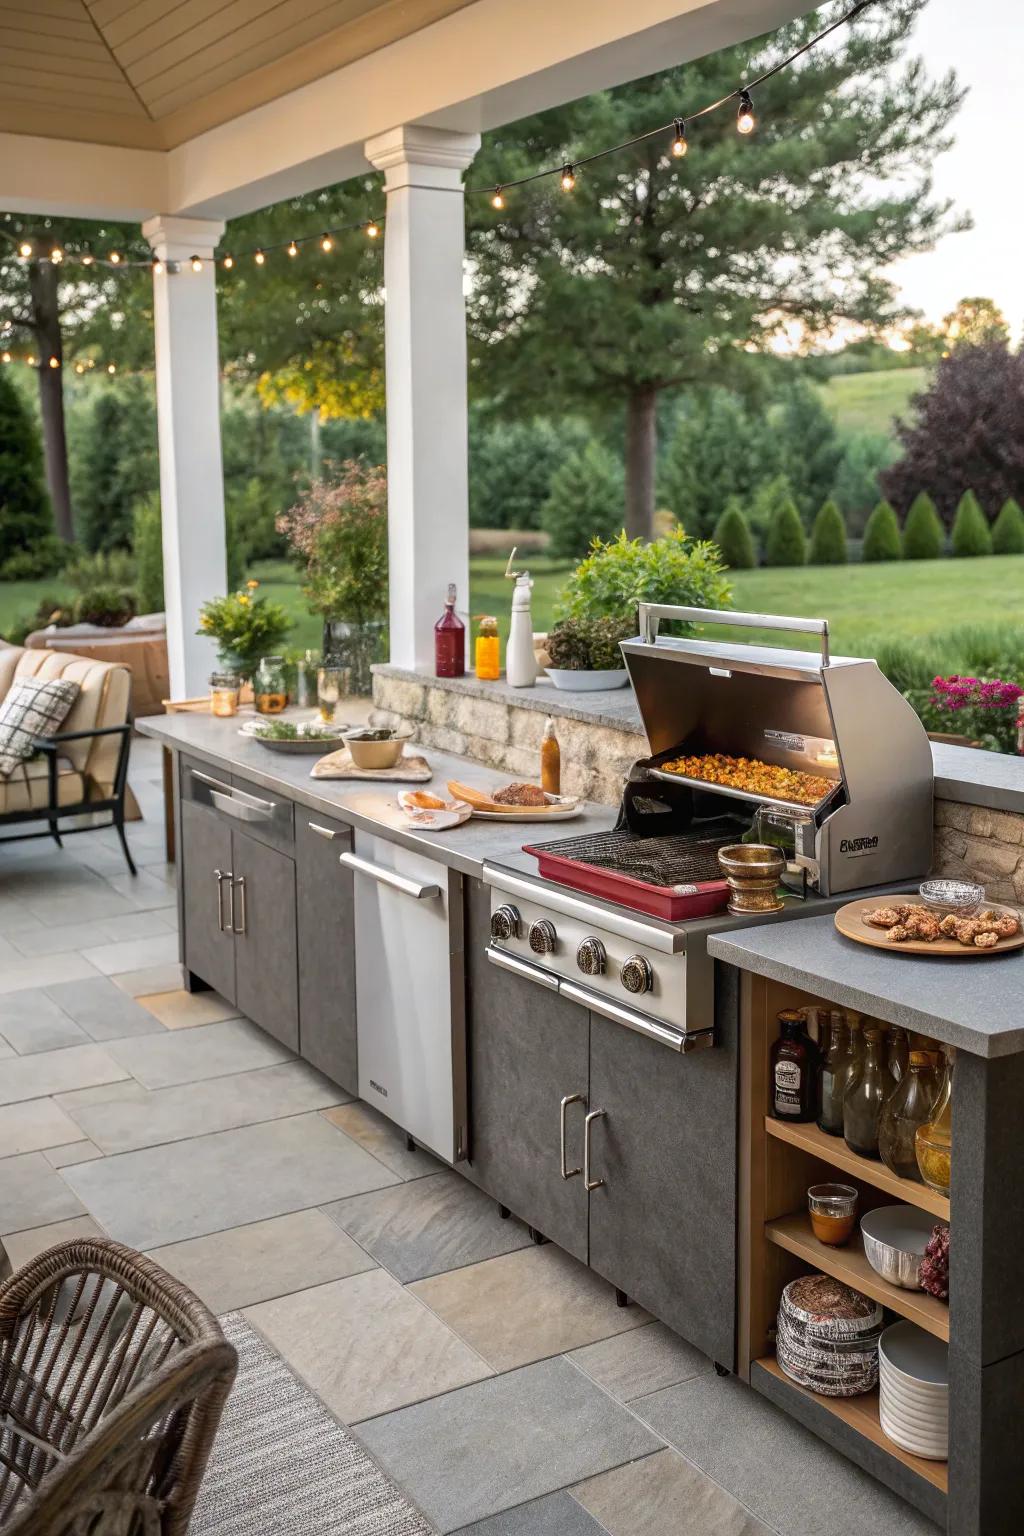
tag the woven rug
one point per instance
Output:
(282, 1466)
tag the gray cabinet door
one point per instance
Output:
(266, 948)
(662, 1225)
(527, 1049)
(208, 945)
(327, 995)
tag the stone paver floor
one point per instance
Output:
(496, 1381)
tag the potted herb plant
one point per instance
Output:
(338, 531)
(245, 627)
(584, 653)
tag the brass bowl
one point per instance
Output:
(753, 871)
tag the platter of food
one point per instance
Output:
(747, 778)
(904, 924)
(431, 812)
(516, 802)
(289, 736)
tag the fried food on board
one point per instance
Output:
(905, 921)
(753, 777)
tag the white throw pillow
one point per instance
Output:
(31, 709)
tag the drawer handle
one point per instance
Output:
(205, 778)
(570, 1098)
(238, 880)
(328, 832)
(220, 877)
(242, 810)
(681, 1040)
(588, 1182)
(390, 877)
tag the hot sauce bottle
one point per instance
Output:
(794, 1063)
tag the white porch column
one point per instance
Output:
(188, 420)
(425, 357)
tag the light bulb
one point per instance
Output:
(56, 256)
(568, 180)
(293, 249)
(158, 267)
(5, 357)
(54, 362)
(259, 258)
(372, 230)
(326, 243)
(25, 249)
(228, 263)
(498, 200)
(87, 260)
(745, 116)
(30, 360)
(111, 368)
(79, 368)
(114, 258)
(679, 142)
(195, 262)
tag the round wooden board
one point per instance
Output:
(850, 922)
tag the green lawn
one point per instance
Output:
(868, 402)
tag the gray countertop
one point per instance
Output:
(972, 1003)
(464, 848)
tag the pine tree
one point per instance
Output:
(828, 540)
(786, 543)
(923, 535)
(882, 535)
(1008, 529)
(116, 463)
(811, 448)
(585, 501)
(971, 534)
(734, 539)
(720, 448)
(25, 519)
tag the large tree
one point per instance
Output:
(657, 271)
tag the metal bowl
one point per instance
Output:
(895, 1238)
(961, 897)
(753, 871)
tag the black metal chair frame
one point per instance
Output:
(53, 812)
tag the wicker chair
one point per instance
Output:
(112, 1382)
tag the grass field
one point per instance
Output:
(869, 402)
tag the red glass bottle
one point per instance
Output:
(450, 640)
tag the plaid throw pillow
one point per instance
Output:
(31, 708)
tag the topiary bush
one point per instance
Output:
(882, 535)
(971, 534)
(1008, 530)
(786, 543)
(586, 501)
(828, 537)
(923, 534)
(734, 538)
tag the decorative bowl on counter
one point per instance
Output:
(895, 1238)
(753, 871)
(961, 897)
(377, 746)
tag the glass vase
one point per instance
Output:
(862, 1106)
(355, 647)
(836, 1068)
(933, 1143)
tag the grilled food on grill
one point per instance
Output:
(753, 777)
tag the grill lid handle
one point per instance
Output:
(651, 613)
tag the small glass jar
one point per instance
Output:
(270, 685)
(331, 682)
(933, 1143)
(225, 688)
(305, 679)
(833, 1209)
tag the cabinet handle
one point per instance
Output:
(570, 1098)
(397, 882)
(249, 809)
(238, 880)
(328, 832)
(206, 778)
(220, 877)
(588, 1182)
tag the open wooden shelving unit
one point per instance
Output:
(833, 1149)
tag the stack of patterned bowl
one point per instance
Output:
(913, 1396)
(827, 1336)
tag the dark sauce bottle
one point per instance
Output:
(794, 1069)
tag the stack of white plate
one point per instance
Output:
(913, 1390)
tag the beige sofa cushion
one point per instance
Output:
(27, 789)
(102, 701)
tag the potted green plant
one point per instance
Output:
(338, 532)
(245, 627)
(584, 653)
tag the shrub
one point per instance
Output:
(586, 501)
(105, 569)
(923, 536)
(616, 576)
(1008, 530)
(109, 606)
(865, 454)
(768, 498)
(340, 533)
(971, 535)
(909, 665)
(149, 554)
(45, 558)
(734, 539)
(590, 645)
(25, 518)
(984, 711)
(882, 535)
(786, 543)
(988, 650)
(511, 466)
(828, 539)
(719, 448)
(812, 451)
(115, 462)
(244, 626)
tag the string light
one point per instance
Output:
(498, 200)
(326, 243)
(372, 230)
(745, 120)
(56, 256)
(79, 367)
(111, 368)
(31, 360)
(5, 357)
(25, 249)
(259, 258)
(293, 249)
(568, 177)
(228, 263)
(195, 262)
(158, 267)
(87, 260)
(115, 258)
(679, 142)
(54, 362)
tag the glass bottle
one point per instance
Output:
(550, 760)
(855, 1023)
(903, 1112)
(270, 687)
(933, 1142)
(450, 640)
(487, 655)
(862, 1106)
(794, 1074)
(898, 1053)
(836, 1067)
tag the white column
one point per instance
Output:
(188, 420)
(425, 356)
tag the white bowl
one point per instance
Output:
(587, 682)
(921, 1416)
(917, 1356)
(926, 1393)
(931, 1448)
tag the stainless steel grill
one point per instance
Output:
(667, 861)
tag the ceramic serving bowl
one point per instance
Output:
(895, 1238)
(375, 746)
(961, 897)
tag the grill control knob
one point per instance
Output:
(543, 937)
(591, 957)
(636, 974)
(505, 922)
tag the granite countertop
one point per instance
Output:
(971, 1003)
(464, 848)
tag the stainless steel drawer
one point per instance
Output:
(261, 813)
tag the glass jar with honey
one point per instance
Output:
(270, 686)
(225, 688)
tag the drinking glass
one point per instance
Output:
(330, 688)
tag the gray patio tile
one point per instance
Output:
(429, 1225)
(93, 899)
(54, 1072)
(103, 1010)
(111, 958)
(187, 1056)
(143, 892)
(244, 1265)
(14, 915)
(127, 1090)
(527, 1305)
(556, 1514)
(664, 1495)
(504, 1441)
(19, 975)
(189, 1188)
(196, 1109)
(22, 1246)
(33, 1194)
(8, 951)
(365, 1345)
(140, 925)
(31, 1021)
(643, 1361)
(178, 1009)
(60, 939)
(784, 1474)
(150, 979)
(383, 1138)
(82, 1151)
(33, 1125)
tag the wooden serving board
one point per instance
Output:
(850, 921)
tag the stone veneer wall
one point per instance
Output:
(974, 843)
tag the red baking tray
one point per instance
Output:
(676, 904)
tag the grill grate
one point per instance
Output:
(683, 859)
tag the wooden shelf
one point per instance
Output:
(850, 1265)
(833, 1149)
(861, 1414)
